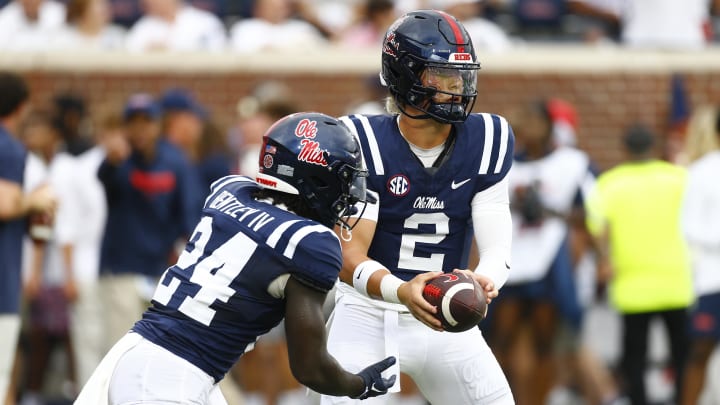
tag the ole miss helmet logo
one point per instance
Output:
(306, 129)
(398, 185)
(310, 151)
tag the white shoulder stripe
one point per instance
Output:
(374, 149)
(487, 146)
(222, 182)
(277, 233)
(504, 133)
(300, 234)
(348, 123)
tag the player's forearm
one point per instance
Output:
(493, 235)
(327, 377)
(13, 204)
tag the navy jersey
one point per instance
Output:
(227, 287)
(151, 204)
(12, 169)
(425, 218)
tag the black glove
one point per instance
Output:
(374, 383)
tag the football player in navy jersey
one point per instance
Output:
(440, 177)
(263, 251)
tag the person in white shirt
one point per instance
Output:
(701, 226)
(28, 25)
(272, 27)
(86, 204)
(89, 28)
(663, 24)
(172, 25)
(48, 286)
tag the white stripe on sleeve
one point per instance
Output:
(504, 131)
(487, 146)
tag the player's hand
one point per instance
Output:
(117, 148)
(70, 290)
(410, 293)
(604, 270)
(32, 286)
(375, 384)
(43, 200)
(485, 282)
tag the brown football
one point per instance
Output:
(460, 301)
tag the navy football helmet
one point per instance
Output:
(429, 63)
(315, 156)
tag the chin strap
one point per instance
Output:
(345, 232)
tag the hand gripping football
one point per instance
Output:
(460, 301)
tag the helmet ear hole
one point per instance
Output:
(318, 183)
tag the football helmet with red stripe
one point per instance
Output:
(429, 63)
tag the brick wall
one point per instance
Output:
(609, 91)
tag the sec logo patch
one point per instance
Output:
(398, 185)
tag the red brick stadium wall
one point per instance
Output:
(609, 92)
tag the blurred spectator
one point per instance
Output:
(187, 126)
(72, 121)
(596, 20)
(272, 27)
(374, 18)
(50, 284)
(216, 7)
(486, 35)
(685, 24)
(256, 113)
(172, 25)
(88, 28)
(634, 214)
(539, 19)
(336, 15)
(564, 122)
(29, 25)
(125, 12)
(701, 226)
(154, 198)
(15, 205)
(547, 186)
(85, 196)
(372, 100)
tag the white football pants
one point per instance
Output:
(448, 368)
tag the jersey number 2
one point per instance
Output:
(407, 258)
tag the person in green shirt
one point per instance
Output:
(634, 215)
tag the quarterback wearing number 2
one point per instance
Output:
(439, 172)
(263, 251)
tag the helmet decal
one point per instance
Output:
(457, 31)
(306, 129)
(390, 45)
(461, 58)
(268, 161)
(312, 153)
(315, 157)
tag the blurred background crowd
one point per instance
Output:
(579, 322)
(253, 25)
